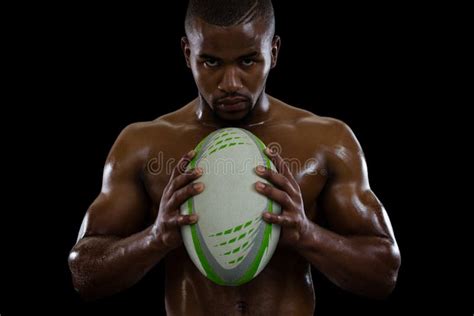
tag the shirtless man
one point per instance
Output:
(331, 219)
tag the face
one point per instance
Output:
(230, 65)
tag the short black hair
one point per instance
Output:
(230, 12)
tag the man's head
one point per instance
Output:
(230, 47)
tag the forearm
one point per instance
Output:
(361, 264)
(103, 265)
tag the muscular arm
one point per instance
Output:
(104, 265)
(115, 249)
(359, 252)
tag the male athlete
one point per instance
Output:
(330, 217)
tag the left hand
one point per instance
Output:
(287, 193)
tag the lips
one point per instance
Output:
(230, 101)
(233, 104)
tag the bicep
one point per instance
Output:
(122, 206)
(119, 212)
(350, 206)
(354, 210)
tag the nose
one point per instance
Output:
(230, 82)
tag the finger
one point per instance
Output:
(182, 180)
(182, 164)
(182, 195)
(182, 220)
(277, 195)
(278, 219)
(277, 179)
(281, 165)
(178, 170)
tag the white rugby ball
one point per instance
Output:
(230, 244)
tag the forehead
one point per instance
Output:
(212, 39)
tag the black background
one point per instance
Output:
(97, 69)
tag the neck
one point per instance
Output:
(259, 115)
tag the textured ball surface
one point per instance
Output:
(230, 244)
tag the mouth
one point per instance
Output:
(232, 104)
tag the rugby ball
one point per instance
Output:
(230, 244)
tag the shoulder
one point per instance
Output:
(324, 130)
(135, 141)
(330, 131)
(141, 134)
(334, 136)
(327, 138)
(338, 146)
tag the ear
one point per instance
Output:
(186, 50)
(276, 42)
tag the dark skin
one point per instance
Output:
(330, 217)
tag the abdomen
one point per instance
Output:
(284, 287)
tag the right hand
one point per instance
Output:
(177, 191)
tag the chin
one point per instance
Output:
(232, 116)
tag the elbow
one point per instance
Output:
(386, 286)
(388, 276)
(81, 276)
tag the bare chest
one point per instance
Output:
(303, 157)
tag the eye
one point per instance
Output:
(211, 63)
(247, 62)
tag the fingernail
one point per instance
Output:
(198, 171)
(198, 186)
(266, 215)
(193, 217)
(260, 185)
(260, 169)
(191, 153)
(268, 151)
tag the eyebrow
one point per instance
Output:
(252, 54)
(209, 56)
